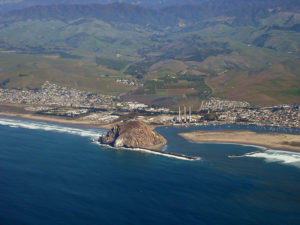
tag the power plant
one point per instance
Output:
(187, 118)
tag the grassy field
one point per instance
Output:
(29, 72)
(261, 87)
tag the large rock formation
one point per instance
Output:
(133, 134)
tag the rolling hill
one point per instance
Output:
(245, 50)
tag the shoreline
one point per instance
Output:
(190, 136)
(152, 151)
(18, 111)
(275, 141)
(106, 126)
(51, 119)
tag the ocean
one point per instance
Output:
(54, 174)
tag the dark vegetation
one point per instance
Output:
(4, 83)
(139, 69)
(111, 63)
(22, 75)
(261, 40)
(210, 117)
(291, 143)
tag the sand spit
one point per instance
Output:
(290, 142)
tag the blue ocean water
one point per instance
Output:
(51, 174)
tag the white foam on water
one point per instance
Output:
(148, 151)
(229, 143)
(165, 148)
(285, 157)
(34, 125)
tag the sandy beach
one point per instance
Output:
(56, 120)
(290, 142)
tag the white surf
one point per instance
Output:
(285, 157)
(35, 125)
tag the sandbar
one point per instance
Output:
(279, 141)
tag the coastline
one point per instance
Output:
(239, 137)
(219, 137)
(286, 142)
(157, 149)
(153, 151)
(29, 116)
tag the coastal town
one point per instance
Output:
(54, 100)
(229, 112)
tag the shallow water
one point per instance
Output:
(50, 174)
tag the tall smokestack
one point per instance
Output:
(179, 115)
(201, 105)
(185, 114)
(190, 112)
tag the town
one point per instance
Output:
(54, 100)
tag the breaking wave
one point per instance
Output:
(34, 125)
(285, 157)
(170, 155)
(239, 144)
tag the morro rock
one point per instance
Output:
(133, 134)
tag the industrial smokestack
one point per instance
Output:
(185, 118)
(201, 106)
(179, 115)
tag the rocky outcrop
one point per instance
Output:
(133, 134)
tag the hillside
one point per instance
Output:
(232, 49)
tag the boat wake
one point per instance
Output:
(35, 125)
